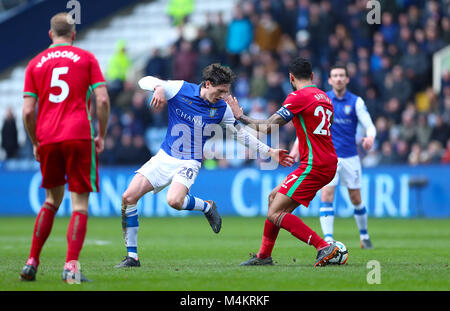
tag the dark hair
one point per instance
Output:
(300, 68)
(62, 25)
(217, 75)
(338, 66)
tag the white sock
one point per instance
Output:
(130, 230)
(192, 203)
(361, 220)
(327, 220)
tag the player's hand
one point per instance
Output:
(159, 99)
(295, 154)
(367, 142)
(234, 105)
(99, 144)
(281, 156)
(35, 153)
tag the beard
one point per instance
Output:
(293, 86)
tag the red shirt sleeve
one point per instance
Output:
(29, 87)
(294, 103)
(96, 75)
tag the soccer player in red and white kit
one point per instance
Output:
(60, 81)
(311, 111)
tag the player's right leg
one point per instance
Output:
(76, 233)
(326, 205)
(42, 228)
(137, 188)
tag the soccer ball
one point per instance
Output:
(340, 259)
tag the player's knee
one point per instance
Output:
(128, 199)
(355, 198)
(327, 195)
(272, 216)
(175, 202)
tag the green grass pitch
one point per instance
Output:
(184, 254)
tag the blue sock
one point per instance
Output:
(192, 203)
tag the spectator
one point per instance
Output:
(423, 131)
(205, 58)
(108, 156)
(407, 130)
(387, 154)
(239, 36)
(416, 66)
(434, 153)
(401, 87)
(258, 82)
(288, 18)
(446, 154)
(9, 135)
(118, 67)
(389, 28)
(441, 130)
(267, 33)
(156, 65)
(179, 10)
(185, 62)
(217, 31)
(274, 91)
(416, 156)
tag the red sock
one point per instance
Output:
(268, 240)
(75, 235)
(42, 228)
(297, 228)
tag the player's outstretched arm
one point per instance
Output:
(254, 144)
(264, 126)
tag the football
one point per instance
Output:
(341, 259)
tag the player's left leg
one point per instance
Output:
(352, 178)
(178, 197)
(361, 217)
(280, 214)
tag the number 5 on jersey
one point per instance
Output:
(57, 82)
(320, 128)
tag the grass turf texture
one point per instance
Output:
(184, 254)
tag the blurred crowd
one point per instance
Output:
(389, 64)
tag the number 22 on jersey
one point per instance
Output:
(325, 115)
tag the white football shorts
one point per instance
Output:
(163, 169)
(349, 172)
